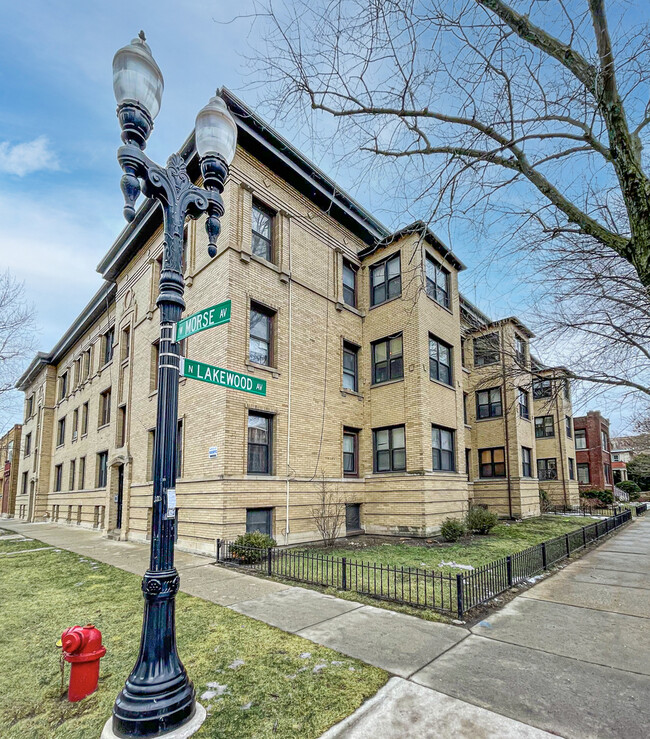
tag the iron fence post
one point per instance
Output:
(509, 570)
(584, 537)
(544, 555)
(344, 574)
(459, 595)
(269, 561)
(218, 549)
(568, 546)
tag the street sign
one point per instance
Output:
(203, 320)
(219, 376)
(212, 452)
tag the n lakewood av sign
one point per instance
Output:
(203, 320)
(219, 376)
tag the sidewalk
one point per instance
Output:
(571, 656)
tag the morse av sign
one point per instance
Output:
(223, 377)
(215, 315)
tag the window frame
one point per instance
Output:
(60, 432)
(583, 467)
(350, 268)
(271, 214)
(105, 407)
(85, 413)
(269, 515)
(63, 385)
(81, 481)
(568, 426)
(354, 434)
(572, 468)
(391, 449)
(58, 477)
(441, 450)
(544, 469)
(526, 464)
(543, 426)
(490, 405)
(482, 356)
(108, 341)
(102, 469)
(269, 417)
(389, 359)
(434, 362)
(350, 349)
(432, 288)
(270, 314)
(524, 408)
(542, 388)
(28, 445)
(520, 350)
(580, 435)
(492, 464)
(386, 281)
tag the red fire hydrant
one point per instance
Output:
(82, 648)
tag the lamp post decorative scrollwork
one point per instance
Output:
(158, 696)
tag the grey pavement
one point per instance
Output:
(570, 657)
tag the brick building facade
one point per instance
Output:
(381, 383)
(9, 451)
(593, 452)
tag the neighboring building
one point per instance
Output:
(593, 454)
(383, 382)
(9, 451)
(620, 458)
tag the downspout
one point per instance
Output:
(505, 427)
(287, 527)
(560, 432)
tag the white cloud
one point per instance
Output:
(28, 157)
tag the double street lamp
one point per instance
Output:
(158, 696)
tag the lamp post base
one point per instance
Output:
(182, 732)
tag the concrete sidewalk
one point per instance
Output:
(571, 656)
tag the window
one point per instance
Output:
(468, 462)
(567, 389)
(387, 359)
(84, 419)
(77, 372)
(603, 439)
(259, 519)
(569, 426)
(102, 469)
(350, 453)
(547, 469)
(75, 424)
(616, 457)
(151, 450)
(350, 366)
(260, 344)
(389, 449)
(385, 281)
(524, 408)
(572, 470)
(439, 361)
(606, 470)
(23, 487)
(87, 363)
(155, 361)
(463, 361)
(179, 448)
(121, 426)
(486, 349)
(262, 231)
(492, 462)
(60, 434)
(349, 283)
(465, 416)
(109, 338)
(260, 428)
(520, 350)
(63, 386)
(581, 438)
(29, 407)
(58, 478)
(82, 473)
(442, 445)
(126, 343)
(488, 403)
(544, 427)
(73, 464)
(542, 389)
(437, 282)
(526, 467)
(583, 473)
(28, 444)
(105, 407)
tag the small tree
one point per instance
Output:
(638, 470)
(328, 512)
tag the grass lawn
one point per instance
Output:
(506, 538)
(264, 682)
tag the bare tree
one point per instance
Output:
(468, 97)
(16, 335)
(328, 512)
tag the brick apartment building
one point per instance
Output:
(9, 446)
(383, 382)
(593, 452)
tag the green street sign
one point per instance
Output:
(203, 320)
(218, 376)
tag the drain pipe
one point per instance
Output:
(288, 468)
(505, 423)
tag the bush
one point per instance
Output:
(544, 501)
(481, 521)
(452, 529)
(628, 486)
(251, 547)
(604, 497)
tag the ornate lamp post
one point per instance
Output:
(158, 696)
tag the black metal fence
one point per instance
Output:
(583, 510)
(640, 508)
(443, 592)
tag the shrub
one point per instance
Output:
(251, 547)
(481, 521)
(544, 501)
(628, 486)
(604, 497)
(452, 529)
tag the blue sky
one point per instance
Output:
(60, 202)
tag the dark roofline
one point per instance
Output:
(421, 228)
(32, 370)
